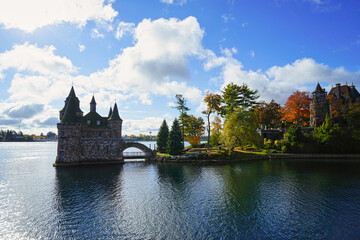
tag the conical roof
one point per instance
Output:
(70, 111)
(110, 112)
(93, 100)
(73, 95)
(115, 114)
(318, 88)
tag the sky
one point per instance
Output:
(141, 53)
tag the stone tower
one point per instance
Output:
(319, 107)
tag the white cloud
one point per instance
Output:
(81, 47)
(124, 28)
(96, 34)
(30, 15)
(31, 58)
(143, 126)
(159, 54)
(279, 82)
(176, 2)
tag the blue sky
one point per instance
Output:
(142, 53)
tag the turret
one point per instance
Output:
(76, 103)
(115, 122)
(93, 104)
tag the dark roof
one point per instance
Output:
(73, 95)
(70, 112)
(94, 117)
(319, 89)
(110, 112)
(345, 92)
(93, 100)
(115, 114)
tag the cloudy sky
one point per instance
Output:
(142, 53)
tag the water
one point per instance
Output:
(253, 200)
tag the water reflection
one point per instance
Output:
(250, 200)
(86, 197)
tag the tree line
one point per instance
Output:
(238, 115)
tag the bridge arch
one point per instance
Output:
(146, 151)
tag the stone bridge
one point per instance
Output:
(145, 151)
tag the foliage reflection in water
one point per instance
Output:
(266, 200)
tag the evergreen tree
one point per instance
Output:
(235, 96)
(174, 142)
(162, 137)
(182, 108)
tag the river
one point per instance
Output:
(248, 200)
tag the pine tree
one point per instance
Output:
(174, 142)
(162, 137)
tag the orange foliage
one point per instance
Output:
(194, 141)
(336, 107)
(297, 108)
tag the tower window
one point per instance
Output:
(88, 122)
(98, 122)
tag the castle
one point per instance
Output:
(323, 103)
(91, 138)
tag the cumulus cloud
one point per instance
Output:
(24, 111)
(27, 57)
(142, 126)
(160, 53)
(81, 47)
(124, 28)
(279, 82)
(96, 34)
(30, 15)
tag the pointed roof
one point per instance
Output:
(70, 111)
(72, 95)
(115, 114)
(318, 88)
(110, 112)
(93, 100)
(72, 92)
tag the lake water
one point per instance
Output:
(251, 200)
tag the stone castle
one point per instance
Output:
(91, 138)
(340, 95)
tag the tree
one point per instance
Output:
(240, 130)
(352, 118)
(174, 142)
(268, 114)
(297, 109)
(182, 108)
(213, 102)
(327, 133)
(194, 127)
(162, 137)
(235, 96)
(215, 132)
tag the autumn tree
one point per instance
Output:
(182, 108)
(297, 109)
(213, 102)
(268, 114)
(174, 143)
(194, 128)
(215, 131)
(235, 96)
(162, 137)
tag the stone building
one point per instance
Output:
(338, 100)
(319, 106)
(90, 138)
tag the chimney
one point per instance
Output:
(338, 90)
